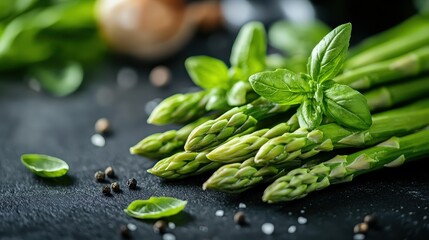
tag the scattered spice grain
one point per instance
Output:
(132, 183)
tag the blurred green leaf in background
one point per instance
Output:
(49, 36)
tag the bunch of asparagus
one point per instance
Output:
(272, 126)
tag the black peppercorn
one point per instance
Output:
(99, 176)
(109, 172)
(239, 218)
(159, 226)
(115, 187)
(106, 189)
(132, 183)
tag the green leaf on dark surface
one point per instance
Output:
(44, 165)
(249, 50)
(207, 72)
(60, 81)
(310, 114)
(346, 106)
(280, 86)
(328, 56)
(155, 207)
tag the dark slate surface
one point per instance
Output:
(72, 207)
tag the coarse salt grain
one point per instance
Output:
(219, 213)
(267, 228)
(359, 236)
(168, 236)
(291, 229)
(242, 205)
(302, 220)
(98, 140)
(171, 225)
(131, 226)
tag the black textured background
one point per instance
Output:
(72, 207)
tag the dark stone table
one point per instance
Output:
(73, 207)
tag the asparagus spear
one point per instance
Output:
(235, 122)
(343, 168)
(416, 22)
(244, 147)
(183, 164)
(161, 145)
(238, 177)
(304, 144)
(390, 95)
(417, 36)
(407, 65)
(179, 108)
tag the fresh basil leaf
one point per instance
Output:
(346, 106)
(207, 72)
(328, 56)
(44, 165)
(280, 86)
(60, 81)
(249, 49)
(310, 114)
(216, 99)
(155, 207)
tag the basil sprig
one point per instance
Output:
(247, 57)
(318, 95)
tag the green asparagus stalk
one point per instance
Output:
(161, 145)
(417, 36)
(237, 121)
(238, 177)
(391, 95)
(183, 164)
(343, 168)
(179, 108)
(407, 65)
(241, 148)
(304, 144)
(412, 24)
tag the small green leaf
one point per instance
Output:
(327, 57)
(249, 49)
(280, 86)
(346, 106)
(60, 81)
(155, 207)
(207, 72)
(44, 165)
(310, 114)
